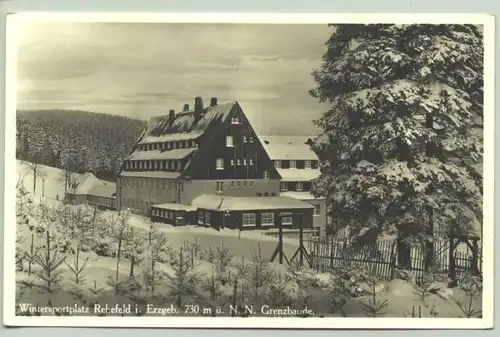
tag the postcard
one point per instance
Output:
(249, 170)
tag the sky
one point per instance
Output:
(142, 70)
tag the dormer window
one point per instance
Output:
(235, 120)
(300, 186)
(277, 163)
(219, 164)
(266, 174)
(293, 164)
(155, 165)
(186, 143)
(178, 165)
(307, 164)
(229, 141)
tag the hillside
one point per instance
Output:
(79, 141)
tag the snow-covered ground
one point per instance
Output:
(49, 181)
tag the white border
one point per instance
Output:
(252, 322)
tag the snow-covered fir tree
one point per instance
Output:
(397, 146)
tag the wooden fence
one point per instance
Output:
(381, 259)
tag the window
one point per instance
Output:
(229, 141)
(251, 161)
(277, 163)
(266, 174)
(219, 164)
(232, 162)
(150, 165)
(245, 183)
(244, 161)
(248, 220)
(161, 165)
(244, 139)
(286, 219)
(238, 184)
(284, 186)
(235, 120)
(181, 186)
(293, 164)
(167, 165)
(250, 183)
(232, 184)
(186, 143)
(267, 219)
(307, 164)
(170, 214)
(317, 209)
(300, 186)
(238, 162)
(207, 218)
(169, 145)
(156, 165)
(201, 217)
(220, 186)
(250, 139)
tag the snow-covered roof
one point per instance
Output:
(150, 174)
(184, 125)
(288, 147)
(298, 174)
(222, 203)
(83, 184)
(161, 155)
(104, 189)
(303, 195)
(176, 207)
(89, 184)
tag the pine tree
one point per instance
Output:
(397, 148)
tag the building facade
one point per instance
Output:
(210, 152)
(297, 165)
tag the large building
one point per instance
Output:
(297, 165)
(206, 166)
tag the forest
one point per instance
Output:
(77, 141)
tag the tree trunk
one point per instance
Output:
(132, 264)
(34, 181)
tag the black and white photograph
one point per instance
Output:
(298, 173)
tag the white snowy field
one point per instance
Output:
(49, 180)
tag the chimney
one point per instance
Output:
(171, 117)
(186, 107)
(198, 108)
(213, 101)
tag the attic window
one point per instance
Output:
(169, 145)
(293, 164)
(307, 164)
(244, 139)
(186, 143)
(232, 162)
(277, 163)
(250, 139)
(266, 174)
(219, 164)
(235, 120)
(163, 146)
(229, 141)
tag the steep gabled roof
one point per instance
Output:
(184, 126)
(288, 147)
(89, 184)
